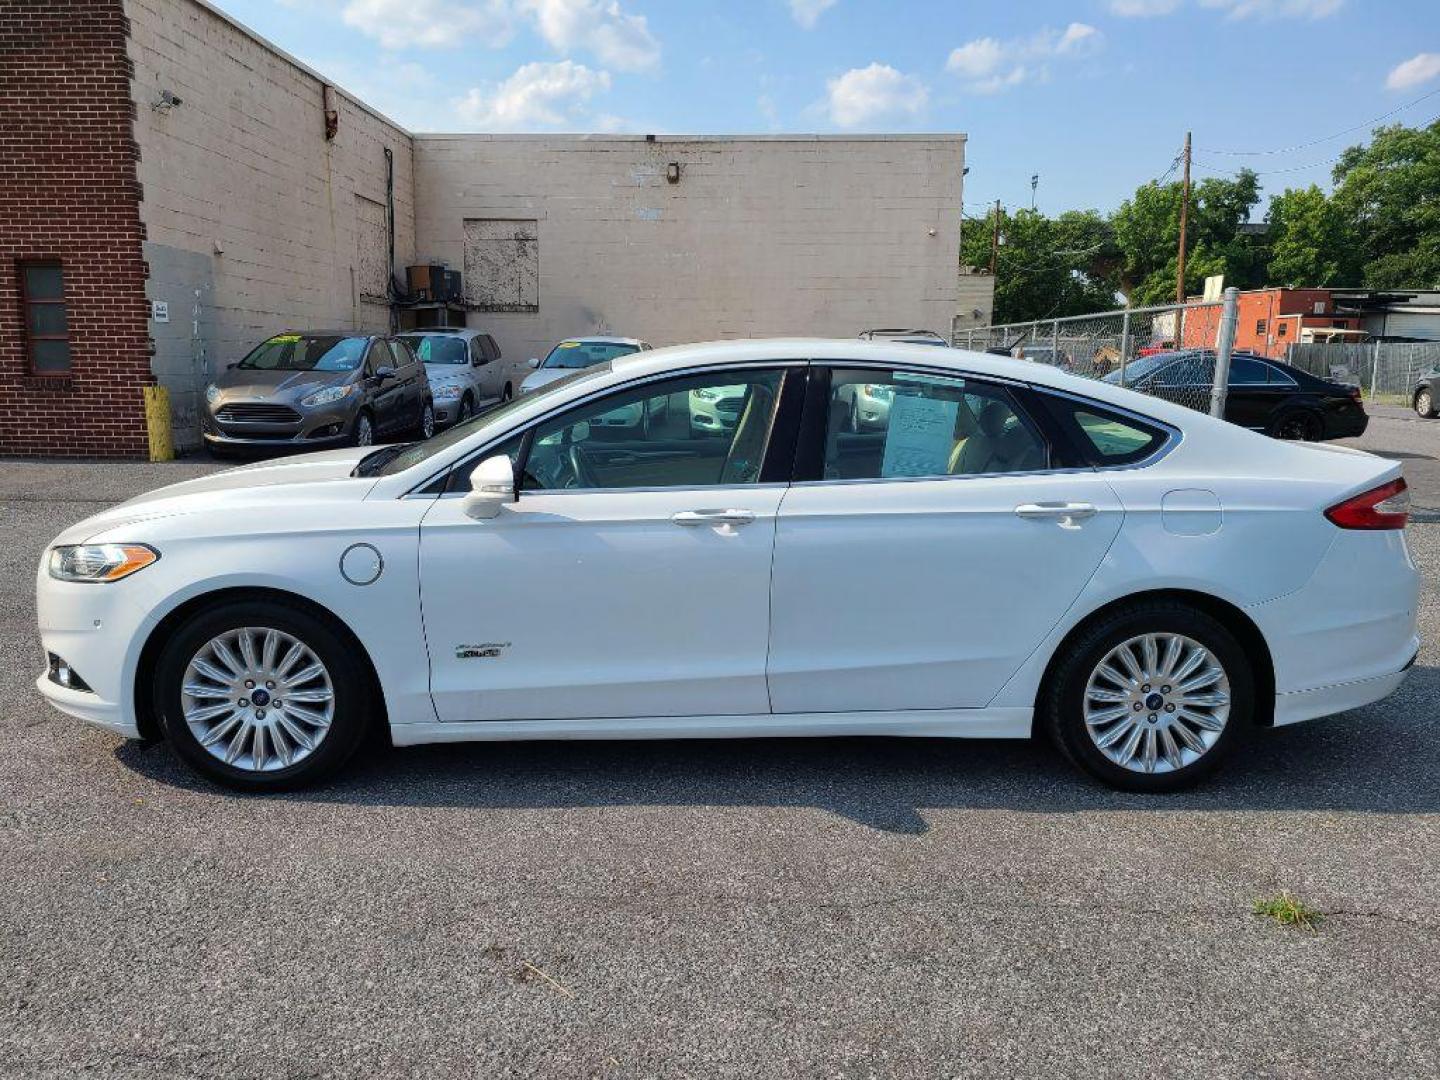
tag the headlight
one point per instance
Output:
(328, 395)
(447, 391)
(99, 562)
(706, 394)
(211, 393)
(882, 392)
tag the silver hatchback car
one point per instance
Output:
(465, 369)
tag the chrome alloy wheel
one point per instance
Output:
(1157, 703)
(257, 699)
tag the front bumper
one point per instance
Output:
(328, 425)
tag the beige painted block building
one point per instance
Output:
(249, 195)
(690, 239)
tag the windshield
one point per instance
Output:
(386, 461)
(438, 350)
(307, 352)
(581, 354)
(1138, 369)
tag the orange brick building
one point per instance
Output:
(1271, 320)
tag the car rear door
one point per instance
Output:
(918, 565)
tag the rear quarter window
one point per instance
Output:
(1102, 436)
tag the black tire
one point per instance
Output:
(467, 409)
(355, 706)
(426, 428)
(507, 393)
(1424, 403)
(1297, 425)
(1062, 699)
(357, 431)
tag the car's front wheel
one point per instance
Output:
(1424, 404)
(261, 695)
(426, 427)
(1150, 697)
(364, 430)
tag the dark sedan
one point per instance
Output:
(1426, 394)
(307, 389)
(1263, 394)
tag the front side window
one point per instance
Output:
(47, 325)
(696, 431)
(893, 424)
(306, 352)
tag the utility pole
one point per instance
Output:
(1034, 183)
(1184, 222)
(995, 240)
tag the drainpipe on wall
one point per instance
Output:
(332, 114)
(390, 238)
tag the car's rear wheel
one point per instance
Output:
(1297, 425)
(507, 393)
(1151, 697)
(1424, 404)
(261, 696)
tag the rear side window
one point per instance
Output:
(491, 350)
(1103, 437)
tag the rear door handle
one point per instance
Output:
(1066, 513)
(713, 517)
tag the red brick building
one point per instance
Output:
(1271, 320)
(74, 344)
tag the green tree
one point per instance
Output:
(1311, 241)
(1046, 267)
(1389, 195)
(1147, 233)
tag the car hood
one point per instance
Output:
(537, 379)
(279, 478)
(240, 383)
(445, 373)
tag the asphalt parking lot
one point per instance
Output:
(846, 908)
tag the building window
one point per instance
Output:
(1260, 326)
(502, 264)
(47, 329)
(1283, 329)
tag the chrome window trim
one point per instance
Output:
(509, 433)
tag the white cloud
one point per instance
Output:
(538, 95)
(877, 92)
(1418, 70)
(397, 24)
(1142, 9)
(807, 12)
(989, 65)
(617, 38)
(602, 27)
(1275, 9)
(1234, 9)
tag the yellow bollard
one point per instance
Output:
(157, 423)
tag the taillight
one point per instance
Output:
(1384, 507)
(1355, 395)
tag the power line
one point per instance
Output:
(1327, 138)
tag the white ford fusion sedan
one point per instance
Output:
(1012, 548)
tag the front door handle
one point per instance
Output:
(1066, 513)
(713, 517)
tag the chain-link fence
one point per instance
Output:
(1117, 346)
(1386, 371)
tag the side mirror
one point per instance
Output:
(492, 485)
(535, 361)
(384, 373)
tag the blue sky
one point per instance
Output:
(1093, 95)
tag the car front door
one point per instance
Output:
(926, 556)
(630, 578)
(386, 395)
(413, 381)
